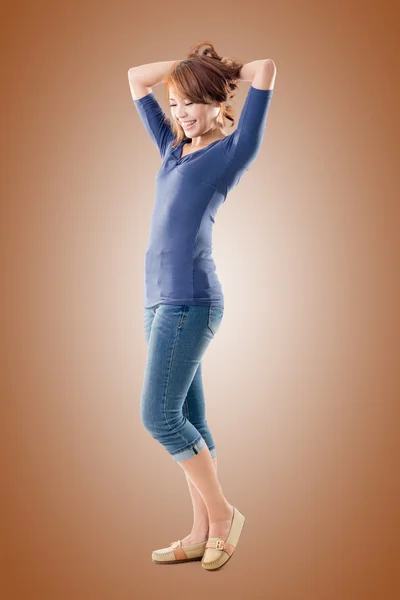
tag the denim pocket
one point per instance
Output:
(215, 314)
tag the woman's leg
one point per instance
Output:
(180, 336)
(200, 528)
(194, 409)
(201, 471)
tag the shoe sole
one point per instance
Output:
(174, 562)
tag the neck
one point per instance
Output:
(207, 138)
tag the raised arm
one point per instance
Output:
(141, 79)
(261, 73)
(144, 77)
(244, 144)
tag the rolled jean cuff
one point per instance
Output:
(190, 451)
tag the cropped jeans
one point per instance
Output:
(172, 405)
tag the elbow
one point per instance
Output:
(271, 64)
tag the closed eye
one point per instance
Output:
(188, 104)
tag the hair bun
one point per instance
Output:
(202, 49)
(227, 61)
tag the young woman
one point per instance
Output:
(184, 301)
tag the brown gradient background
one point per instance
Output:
(302, 380)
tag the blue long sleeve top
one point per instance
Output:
(179, 266)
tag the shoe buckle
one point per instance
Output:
(219, 544)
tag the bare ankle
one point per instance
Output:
(222, 513)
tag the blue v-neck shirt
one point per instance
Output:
(179, 266)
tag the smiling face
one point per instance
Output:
(184, 111)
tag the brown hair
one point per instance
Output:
(204, 77)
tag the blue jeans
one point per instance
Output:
(172, 406)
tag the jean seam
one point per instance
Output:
(182, 317)
(167, 383)
(186, 406)
(209, 320)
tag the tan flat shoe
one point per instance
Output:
(219, 551)
(176, 553)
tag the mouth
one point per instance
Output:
(188, 124)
